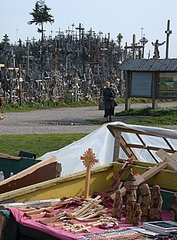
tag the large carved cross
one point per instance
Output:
(89, 159)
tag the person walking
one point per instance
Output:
(109, 95)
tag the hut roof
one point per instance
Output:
(150, 65)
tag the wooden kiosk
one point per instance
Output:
(150, 78)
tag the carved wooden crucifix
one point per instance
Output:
(89, 159)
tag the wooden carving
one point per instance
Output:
(137, 215)
(173, 208)
(117, 206)
(145, 201)
(89, 160)
(156, 204)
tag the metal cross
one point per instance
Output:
(168, 32)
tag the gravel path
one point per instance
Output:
(61, 120)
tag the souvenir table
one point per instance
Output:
(30, 227)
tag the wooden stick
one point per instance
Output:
(87, 182)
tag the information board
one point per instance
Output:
(141, 84)
(168, 85)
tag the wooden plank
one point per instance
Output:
(154, 170)
(175, 155)
(41, 174)
(29, 170)
(7, 156)
(167, 158)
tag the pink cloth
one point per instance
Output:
(58, 232)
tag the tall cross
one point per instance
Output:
(60, 33)
(72, 28)
(80, 29)
(168, 32)
(91, 32)
(33, 39)
(119, 39)
(134, 47)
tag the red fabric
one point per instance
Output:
(58, 232)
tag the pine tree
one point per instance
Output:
(40, 16)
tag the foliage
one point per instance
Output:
(36, 143)
(41, 15)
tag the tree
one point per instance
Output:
(40, 16)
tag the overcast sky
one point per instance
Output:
(140, 17)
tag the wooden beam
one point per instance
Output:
(116, 145)
(126, 148)
(29, 170)
(167, 158)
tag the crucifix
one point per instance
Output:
(168, 32)
(89, 159)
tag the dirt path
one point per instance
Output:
(61, 120)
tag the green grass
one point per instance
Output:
(31, 106)
(159, 117)
(36, 143)
(155, 121)
(11, 107)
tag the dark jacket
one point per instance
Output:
(107, 94)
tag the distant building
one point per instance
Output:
(150, 78)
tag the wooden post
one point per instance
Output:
(154, 91)
(89, 160)
(127, 92)
(116, 145)
(134, 46)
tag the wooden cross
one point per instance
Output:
(134, 47)
(89, 160)
(81, 29)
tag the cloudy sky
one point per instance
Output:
(140, 17)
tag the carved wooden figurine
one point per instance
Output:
(137, 215)
(156, 204)
(173, 208)
(130, 206)
(144, 201)
(131, 187)
(117, 206)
